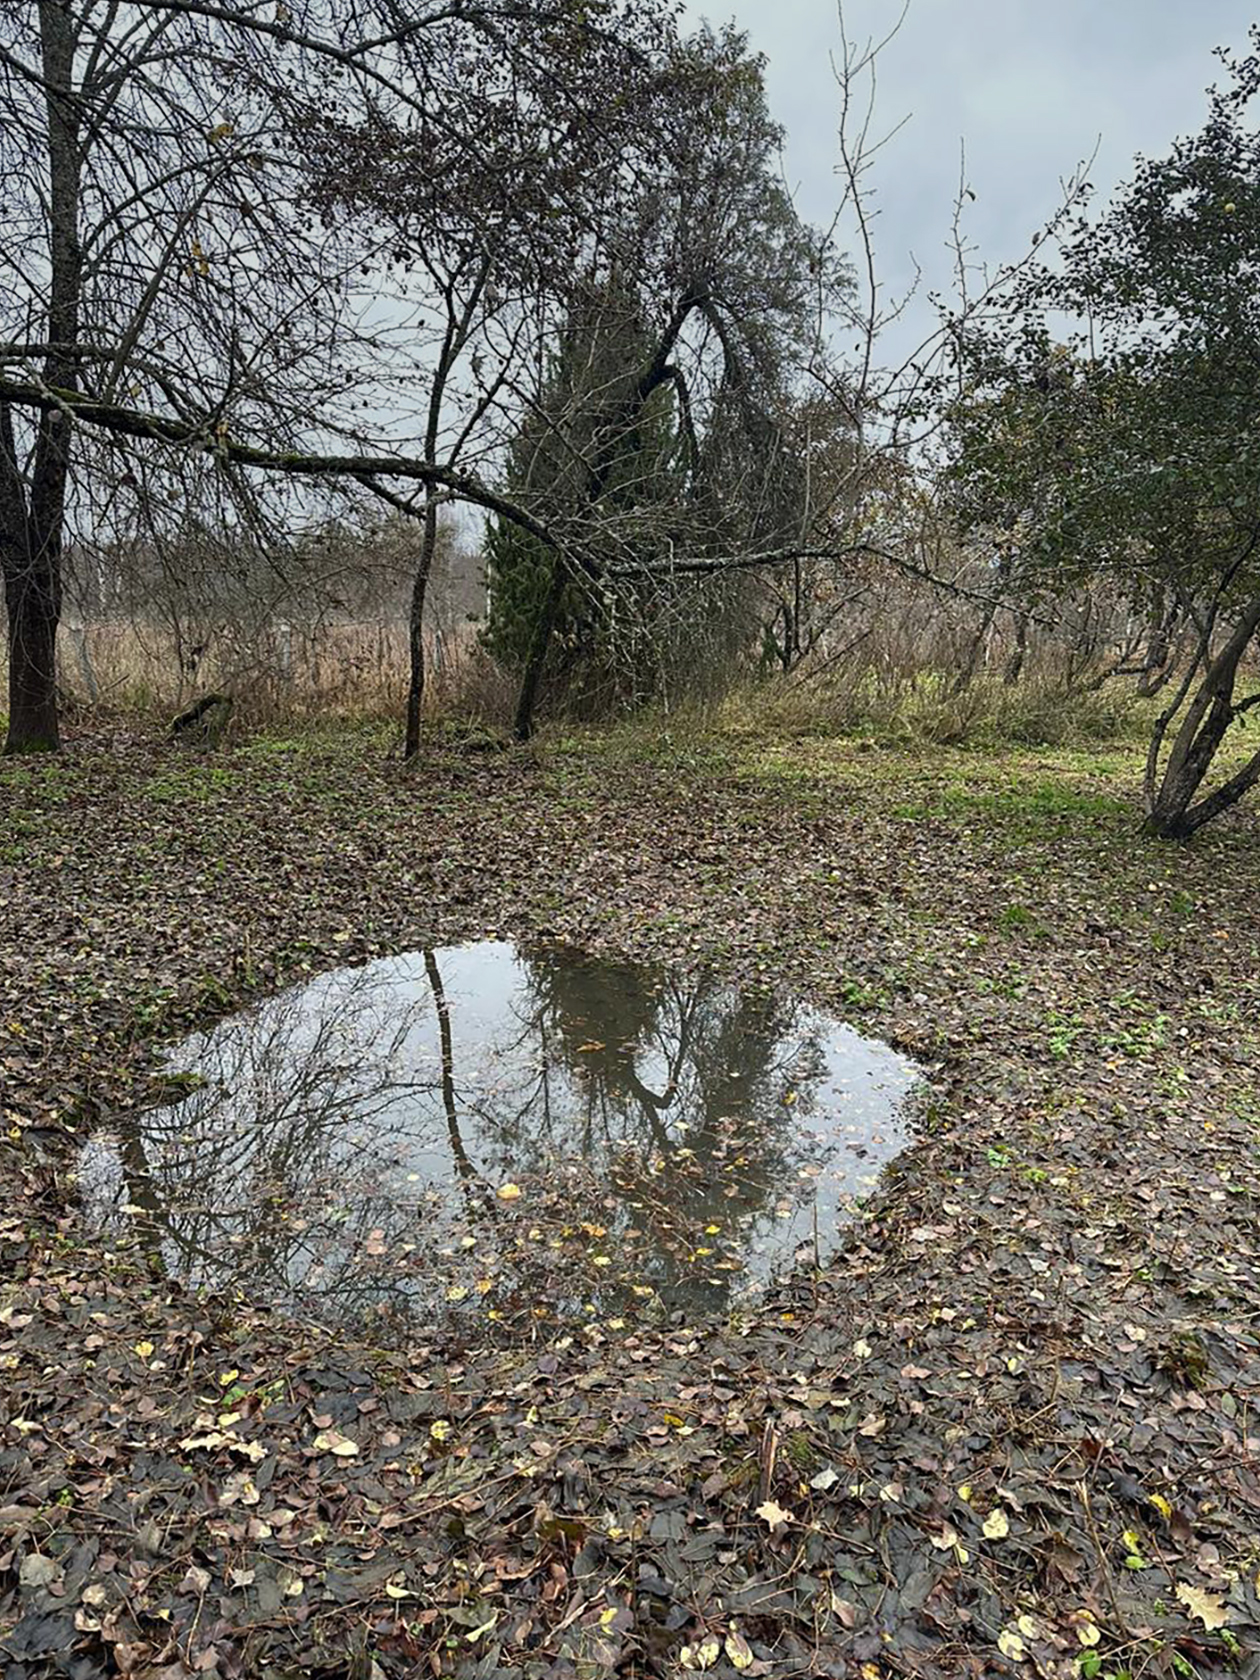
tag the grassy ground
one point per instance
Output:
(1011, 1430)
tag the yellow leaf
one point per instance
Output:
(738, 1649)
(392, 1590)
(1011, 1645)
(1086, 1632)
(332, 1441)
(144, 1349)
(508, 1192)
(1162, 1506)
(997, 1524)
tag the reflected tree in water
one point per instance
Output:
(348, 1139)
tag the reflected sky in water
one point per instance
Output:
(354, 1146)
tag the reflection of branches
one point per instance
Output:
(673, 1105)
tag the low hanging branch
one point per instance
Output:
(216, 441)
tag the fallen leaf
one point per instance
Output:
(1011, 1645)
(332, 1441)
(738, 1649)
(38, 1570)
(1208, 1607)
(997, 1525)
(774, 1515)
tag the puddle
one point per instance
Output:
(356, 1146)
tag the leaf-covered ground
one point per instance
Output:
(1012, 1430)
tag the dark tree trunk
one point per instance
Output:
(31, 594)
(1157, 666)
(415, 630)
(32, 546)
(1173, 815)
(539, 646)
(1015, 664)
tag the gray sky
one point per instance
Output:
(1029, 87)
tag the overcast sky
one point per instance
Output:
(1029, 87)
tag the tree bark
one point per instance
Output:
(30, 595)
(1172, 814)
(32, 556)
(1015, 663)
(971, 664)
(415, 628)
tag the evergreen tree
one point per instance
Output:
(586, 454)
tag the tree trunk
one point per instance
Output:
(1015, 664)
(415, 628)
(1157, 666)
(1172, 814)
(539, 645)
(32, 556)
(971, 663)
(31, 595)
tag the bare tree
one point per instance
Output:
(161, 252)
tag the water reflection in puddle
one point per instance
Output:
(489, 1131)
